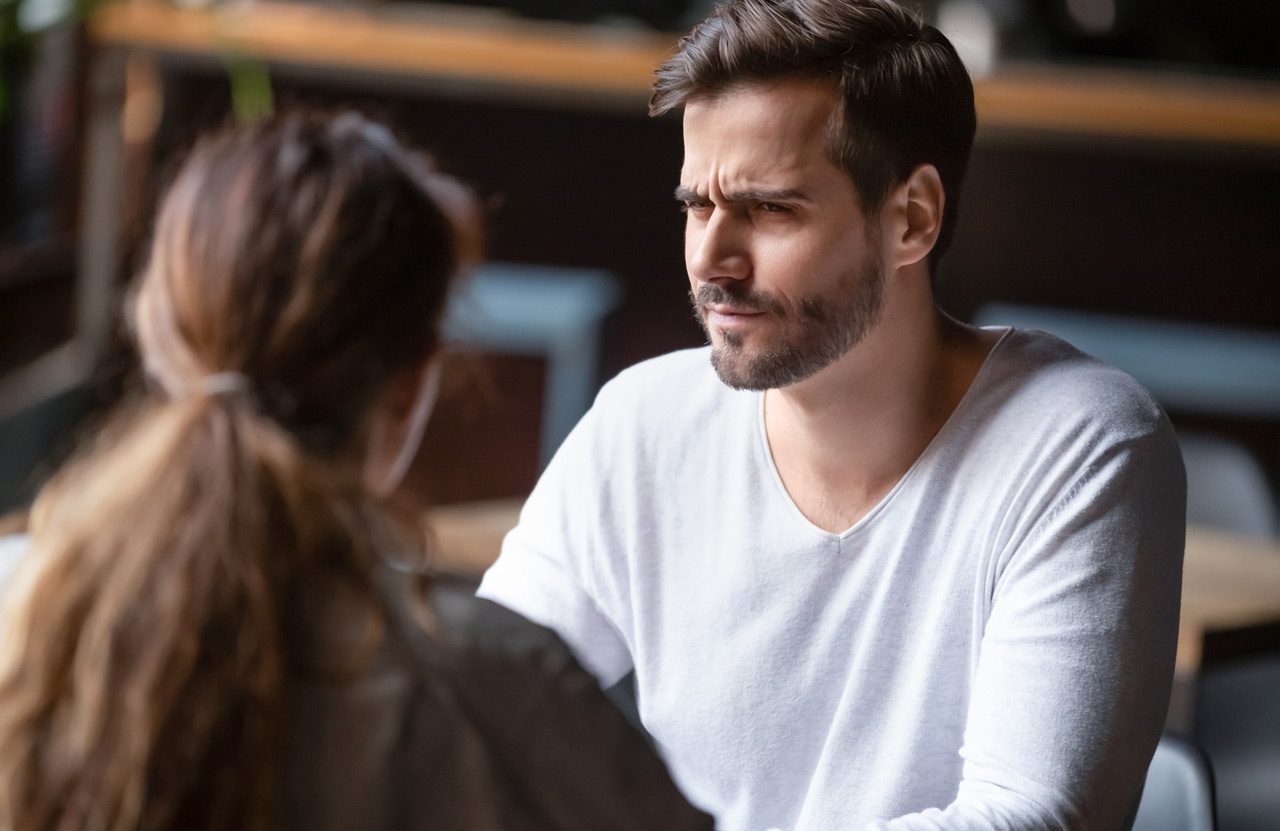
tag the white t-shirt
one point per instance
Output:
(990, 647)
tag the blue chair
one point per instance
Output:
(1179, 791)
(550, 312)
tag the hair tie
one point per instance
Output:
(222, 383)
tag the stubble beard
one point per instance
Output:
(824, 329)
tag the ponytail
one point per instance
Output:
(143, 673)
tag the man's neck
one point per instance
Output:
(842, 439)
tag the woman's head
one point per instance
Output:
(289, 313)
(311, 255)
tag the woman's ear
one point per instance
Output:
(398, 424)
(916, 216)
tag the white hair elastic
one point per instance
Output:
(223, 383)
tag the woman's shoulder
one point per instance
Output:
(474, 627)
(549, 724)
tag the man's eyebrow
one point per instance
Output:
(684, 194)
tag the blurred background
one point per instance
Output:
(1124, 192)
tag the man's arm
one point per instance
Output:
(1072, 684)
(545, 570)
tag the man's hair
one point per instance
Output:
(905, 96)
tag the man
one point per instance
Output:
(873, 568)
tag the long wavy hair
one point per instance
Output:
(297, 267)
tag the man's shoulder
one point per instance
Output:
(684, 376)
(1038, 376)
(684, 367)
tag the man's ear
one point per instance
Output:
(916, 215)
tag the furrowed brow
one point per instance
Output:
(684, 194)
(779, 195)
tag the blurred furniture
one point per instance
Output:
(468, 536)
(1235, 700)
(1179, 790)
(1237, 722)
(1227, 487)
(1189, 367)
(1230, 584)
(34, 439)
(40, 125)
(552, 313)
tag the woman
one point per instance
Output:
(208, 631)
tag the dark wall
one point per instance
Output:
(1185, 232)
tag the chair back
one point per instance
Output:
(1179, 793)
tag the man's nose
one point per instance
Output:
(716, 249)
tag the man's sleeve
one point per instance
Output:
(1073, 679)
(546, 568)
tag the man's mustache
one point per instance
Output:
(737, 300)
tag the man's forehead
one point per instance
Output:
(776, 107)
(759, 137)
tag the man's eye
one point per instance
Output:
(774, 208)
(694, 207)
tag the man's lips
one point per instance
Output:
(739, 311)
(725, 316)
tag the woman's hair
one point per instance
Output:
(297, 267)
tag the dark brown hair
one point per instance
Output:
(143, 678)
(906, 98)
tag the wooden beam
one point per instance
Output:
(498, 49)
(431, 43)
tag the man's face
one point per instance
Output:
(785, 273)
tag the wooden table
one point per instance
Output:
(1229, 582)
(468, 536)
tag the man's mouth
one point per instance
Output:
(726, 318)
(725, 310)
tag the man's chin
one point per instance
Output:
(744, 369)
(736, 369)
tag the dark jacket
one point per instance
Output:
(450, 712)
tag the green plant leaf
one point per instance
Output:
(251, 95)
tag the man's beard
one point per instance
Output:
(823, 330)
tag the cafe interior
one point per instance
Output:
(1124, 194)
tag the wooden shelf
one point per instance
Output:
(426, 42)
(497, 50)
(1126, 103)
